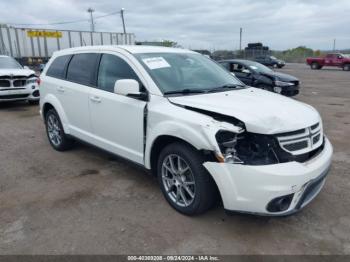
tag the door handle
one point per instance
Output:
(60, 89)
(95, 99)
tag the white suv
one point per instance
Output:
(199, 129)
(17, 82)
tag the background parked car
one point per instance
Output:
(338, 60)
(270, 61)
(17, 82)
(255, 74)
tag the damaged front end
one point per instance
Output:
(257, 149)
(247, 148)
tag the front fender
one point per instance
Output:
(198, 136)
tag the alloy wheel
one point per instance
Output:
(178, 180)
(54, 130)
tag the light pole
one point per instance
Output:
(92, 26)
(122, 15)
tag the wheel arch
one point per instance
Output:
(158, 144)
(52, 102)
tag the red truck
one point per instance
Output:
(339, 60)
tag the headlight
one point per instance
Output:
(281, 83)
(247, 148)
(32, 81)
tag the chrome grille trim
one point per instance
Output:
(311, 137)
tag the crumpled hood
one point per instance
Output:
(16, 72)
(261, 111)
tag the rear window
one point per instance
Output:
(82, 68)
(57, 67)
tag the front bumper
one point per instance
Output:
(289, 90)
(27, 92)
(250, 189)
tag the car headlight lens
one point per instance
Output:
(247, 148)
(32, 81)
(281, 83)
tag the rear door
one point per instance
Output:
(117, 121)
(80, 78)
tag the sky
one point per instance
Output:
(204, 24)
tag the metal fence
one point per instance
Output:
(23, 43)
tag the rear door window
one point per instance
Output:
(82, 68)
(58, 66)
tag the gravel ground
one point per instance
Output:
(86, 201)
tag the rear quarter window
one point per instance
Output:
(57, 67)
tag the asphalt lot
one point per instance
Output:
(86, 201)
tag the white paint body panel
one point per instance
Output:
(250, 188)
(116, 123)
(261, 111)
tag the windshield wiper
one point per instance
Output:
(184, 91)
(225, 87)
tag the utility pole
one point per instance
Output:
(92, 26)
(240, 39)
(122, 15)
(334, 45)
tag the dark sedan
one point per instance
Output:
(257, 75)
(270, 61)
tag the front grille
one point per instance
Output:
(5, 83)
(316, 139)
(13, 81)
(296, 146)
(19, 83)
(301, 141)
(14, 96)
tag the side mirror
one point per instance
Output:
(129, 87)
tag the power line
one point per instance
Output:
(65, 22)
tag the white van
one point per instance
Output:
(194, 125)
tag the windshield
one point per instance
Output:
(191, 72)
(274, 58)
(257, 67)
(9, 63)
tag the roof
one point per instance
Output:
(134, 49)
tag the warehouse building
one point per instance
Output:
(30, 45)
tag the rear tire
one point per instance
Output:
(185, 183)
(315, 66)
(55, 133)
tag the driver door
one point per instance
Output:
(117, 121)
(242, 73)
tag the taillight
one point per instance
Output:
(38, 81)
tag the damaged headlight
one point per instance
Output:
(247, 148)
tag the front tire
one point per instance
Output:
(346, 67)
(185, 183)
(55, 133)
